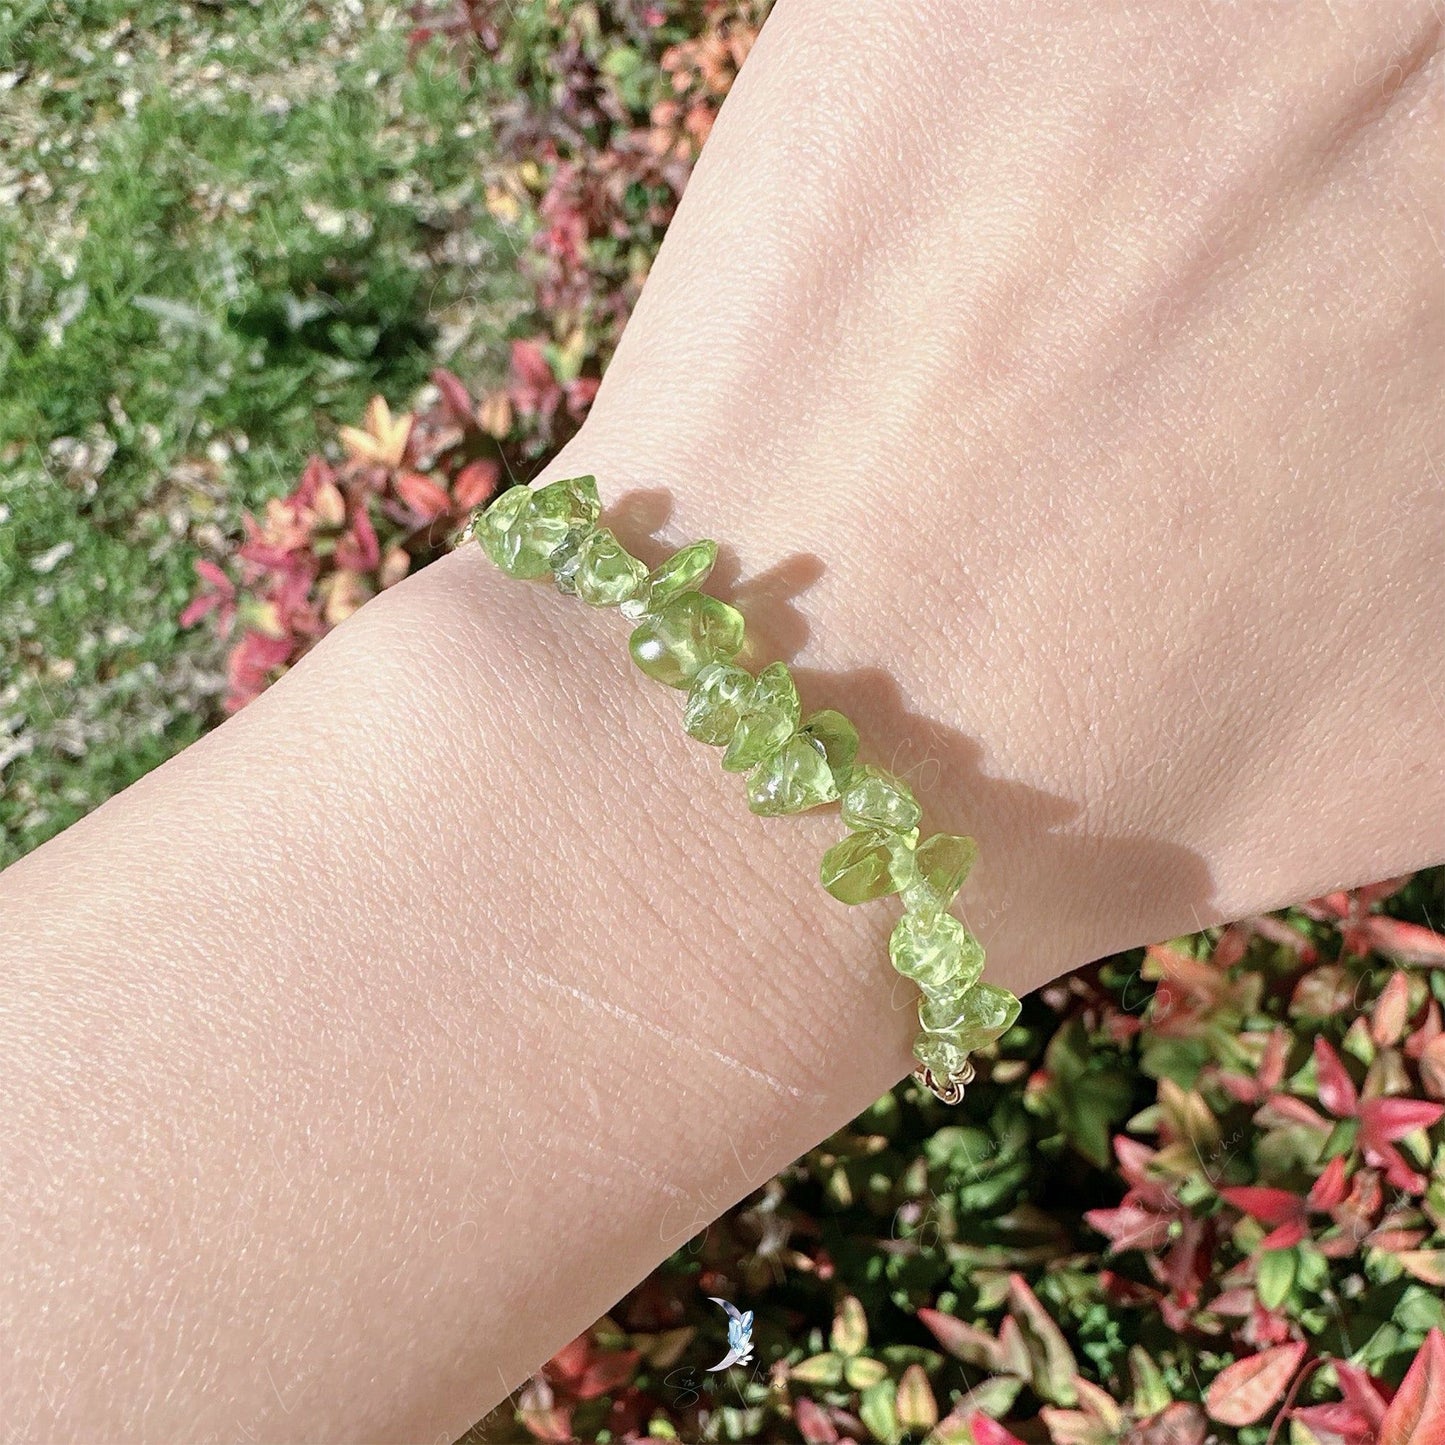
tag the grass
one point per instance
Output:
(220, 227)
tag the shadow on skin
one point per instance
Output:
(1085, 880)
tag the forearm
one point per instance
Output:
(415, 1014)
(372, 1048)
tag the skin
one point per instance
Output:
(1066, 381)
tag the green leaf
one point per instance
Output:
(915, 1404)
(993, 1397)
(1274, 1277)
(1054, 1366)
(1151, 1393)
(876, 1411)
(850, 1327)
(862, 1371)
(825, 1369)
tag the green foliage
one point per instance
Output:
(1143, 1218)
(226, 223)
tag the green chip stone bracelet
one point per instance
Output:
(690, 641)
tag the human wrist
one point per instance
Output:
(548, 727)
(874, 618)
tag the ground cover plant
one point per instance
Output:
(220, 226)
(1199, 1190)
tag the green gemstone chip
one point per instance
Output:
(767, 718)
(714, 703)
(935, 950)
(690, 632)
(792, 780)
(971, 1017)
(838, 738)
(939, 1053)
(680, 573)
(605, 573)
(523, 528)
(876, 799)
(856, 870)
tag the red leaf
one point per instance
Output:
(475, 483)
(1382, 1121)
(1415, 1416)
(1272, 1061)
(813, 1425)
(455, 395)
(1407, 942)
(207, 571)
(1387, 1019)
(198, 607)
(1244, 1391)
(1286, 1108)
(1361, 1393)
(1130, 1227)
(1329, 1189)
(1269, 1206)
(552, 1425)
(1134, 1159)
(581, 393)
(358, 550)
(1432, 1066)
(316, 475)
(570, 1363)
(1335, 1422)
(605, 1372)
(989, 1432)
(1231, 947)
(534, 388)
(1286, 1236)
(961, 1340)
(250, 661)
(1336, 1088)
(1176, 1424)
(422, 495)
(1373, 893)
(1398, 1174)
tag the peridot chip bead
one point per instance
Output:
(574, 499)
(767, 718)
(714, 701)
(792, 780)
(856, 870)
(875, 799)
(566, 557)
(507, 539)
(945, 860)
(972, 1017)
(690, 632)
(935, 950)
(838, 738)
(678, 574)
(523, 528)
(605, 573)
(939, 1053)
(942, 863)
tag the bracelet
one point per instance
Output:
(691, 641)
